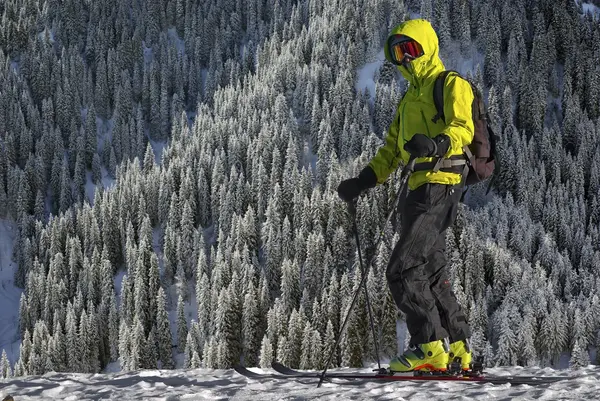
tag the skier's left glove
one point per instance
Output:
(350, 189)
(421, 145)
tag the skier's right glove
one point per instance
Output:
(350, 189)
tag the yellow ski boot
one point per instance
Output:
(462, 350)
(429, 357)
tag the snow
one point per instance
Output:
(9, 294)
(366, 75)
(118, 282)
(158, 148)
(107, 181)
(148, 55)
(90, 188)
(15, 67)
(198, 384)
(176, 40)
(591, 8)
(42, 35)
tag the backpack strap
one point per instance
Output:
(494, 154)
(455, 164)
(438, 94)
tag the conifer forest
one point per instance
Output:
(170, 168)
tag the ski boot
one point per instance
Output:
(428, 357)
(461, 349)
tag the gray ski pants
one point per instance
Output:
(417, 274)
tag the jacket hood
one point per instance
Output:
(429, 64)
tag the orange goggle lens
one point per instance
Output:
(407, 49)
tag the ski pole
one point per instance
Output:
(363, 272)
(408, 170)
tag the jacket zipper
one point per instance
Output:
(401, 122)
(425, 122)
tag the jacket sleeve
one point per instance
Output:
(388, 156)
(458, 103)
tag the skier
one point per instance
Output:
(416, 272)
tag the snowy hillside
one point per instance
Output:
(201, 384)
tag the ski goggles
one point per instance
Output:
(402, 48)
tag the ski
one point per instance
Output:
(387, 376)
(244, 371)
(410, 376)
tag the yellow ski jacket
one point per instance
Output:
(417, 109)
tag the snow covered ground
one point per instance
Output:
(202, 384)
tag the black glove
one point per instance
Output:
(349, 189)
(422, 146)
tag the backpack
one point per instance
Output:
(482, 159)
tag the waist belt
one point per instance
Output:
(455, 164)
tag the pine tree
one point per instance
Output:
(113, 329)
(169, 254)
(101, 101)
(124, 346)
(290, 281)
(140, 290)
(185, 246)
(37, 359)
(190, 348)
(92, 348)
(153, 286)
(525, 336)
(329, 343)
(507, 341)
(5, 370)
(492, 51)
(266, 353)
(151, 350)
(163, 334)
(306, 361)
(182, 328)
(553, 333)
(138, 357)
(203, 297)
(83, 342)
(315, 251)
(251, 327)
(65, 199)
(227, 328)
(73, 355)
(442, 22)
(209, 355)
(579, 357)
(293, 346)
(96, 170)
(426, 10)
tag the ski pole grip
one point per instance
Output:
(410, 166)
